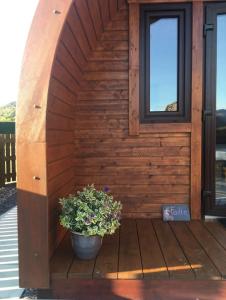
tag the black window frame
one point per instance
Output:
(183, 11)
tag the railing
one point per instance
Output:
(7, 153)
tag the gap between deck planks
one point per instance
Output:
(150, 249)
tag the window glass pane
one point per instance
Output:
(221, 112)
(164, 64)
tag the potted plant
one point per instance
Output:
(89, 215)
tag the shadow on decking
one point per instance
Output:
(150, 249)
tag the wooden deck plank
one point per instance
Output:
(201, 264)
(130, 266)
(153, 263)
(214, 250)
(218, 231)
(106, 265)
(150, 250)
(62, 259)
(177, 264)
(82, 269)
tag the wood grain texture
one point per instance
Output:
(134, 62)
(211, 246)
(122, 4)
(78, 31)
(147, 249)
(62, 261)
(134, 167)
(178, 265)
(197, 96)
(104, 12)
(106, 265)
(63, 90)
(201, 264)
(218, 231)
(94, 11)
(113, 8)
(86, 21)
(171, 127)
(153, 263)
(84, 25)
(130, 266)
(31, 138)
(81, 268)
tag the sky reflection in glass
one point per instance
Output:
(164, 64)
(221, 62)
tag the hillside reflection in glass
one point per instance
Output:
(221, 112)
(164, 64)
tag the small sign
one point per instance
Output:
(176, 212)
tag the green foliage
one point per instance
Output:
(90, 212)
(8, 112)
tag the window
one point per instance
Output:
(165, 72)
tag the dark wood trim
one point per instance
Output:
(211, 11)
(183, 13)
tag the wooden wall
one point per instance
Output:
(144, 171)
(85, 25)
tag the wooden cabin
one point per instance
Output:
(129, 95)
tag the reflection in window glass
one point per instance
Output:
(221, 112)
(164, 64)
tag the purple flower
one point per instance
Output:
(87, 221)
(106, 189)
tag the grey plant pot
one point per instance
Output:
(86, 247)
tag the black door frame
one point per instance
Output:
(209, 113)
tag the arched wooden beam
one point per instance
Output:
(31, 141)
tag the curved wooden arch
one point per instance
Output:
(31, 141)
(63, 34)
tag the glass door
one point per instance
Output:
(214, 193)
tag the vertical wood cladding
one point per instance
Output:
(143, 172)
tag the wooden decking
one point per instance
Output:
(150, 249)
